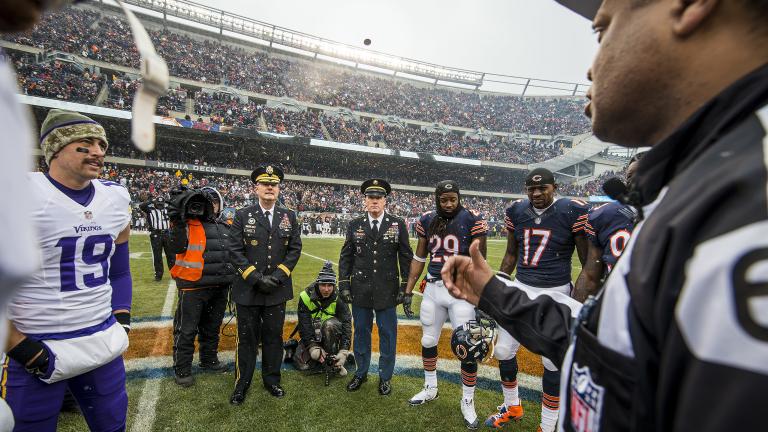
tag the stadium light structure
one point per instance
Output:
(276, 35)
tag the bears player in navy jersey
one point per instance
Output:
(446, 231)
(543, 231)
(608, 229)
(69, 322)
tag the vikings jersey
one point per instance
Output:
(609, 227)
(76, 243)
(545, 242)
(461, 230)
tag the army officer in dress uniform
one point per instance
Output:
(265, 246)
(373, 269)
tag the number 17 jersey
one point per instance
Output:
(545, 242)
(71, 291)
(460, 231)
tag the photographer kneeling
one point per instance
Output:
(203, 275)
(325, 325)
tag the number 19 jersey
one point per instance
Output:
(71, 291)
(545, 241)
(461, 230)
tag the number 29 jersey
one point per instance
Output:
(71, 291)
(461, 230)
(545, 242)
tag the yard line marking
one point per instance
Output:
(150, 393)
(321, 259)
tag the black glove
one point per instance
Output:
(346, 295)
(26, 350)
(407, 301)
(269, 284)
(254, 279)
(344, 292)
(124, 319)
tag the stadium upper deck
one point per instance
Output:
(208, 60)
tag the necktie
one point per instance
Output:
(375, 228)
(269, 219)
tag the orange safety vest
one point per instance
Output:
(189, 265)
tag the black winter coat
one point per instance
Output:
(217, 269)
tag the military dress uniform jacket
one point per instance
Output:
(272, 251)
(374, 266)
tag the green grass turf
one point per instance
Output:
(309, 406)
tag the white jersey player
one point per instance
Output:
(69, 323)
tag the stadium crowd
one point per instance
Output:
(107, 38)
(57, 80)
(310, 199)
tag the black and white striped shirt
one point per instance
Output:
(158, 218)
(678, 338)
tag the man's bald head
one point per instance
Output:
(661, 60)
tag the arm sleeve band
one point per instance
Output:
(419, 259)
(120, 278)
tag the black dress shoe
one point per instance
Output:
(356, 383)
(237, 397)
(385, 387)
(275, 390)
(216, 366)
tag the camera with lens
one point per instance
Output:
(192, 204)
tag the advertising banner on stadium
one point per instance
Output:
(184, 166)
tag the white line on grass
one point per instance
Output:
(321, 259)
(150, 393)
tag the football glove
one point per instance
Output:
(33, 355)
(407, 301)
(124, 319)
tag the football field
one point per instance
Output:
(156, 403)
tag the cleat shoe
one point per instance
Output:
(470, 415)
(505, 415)
(424, 396)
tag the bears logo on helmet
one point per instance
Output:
(472, 341)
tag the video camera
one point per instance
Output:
(192, 204)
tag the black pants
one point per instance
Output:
(158, 239)
(254, 324)
(330, 333)
(198, 313)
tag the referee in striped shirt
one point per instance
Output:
(157, 217)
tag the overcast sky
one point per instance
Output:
(532, 38)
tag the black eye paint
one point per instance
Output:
(82, 150)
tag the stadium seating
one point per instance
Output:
(107, 38)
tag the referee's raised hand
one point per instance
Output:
(466, 277)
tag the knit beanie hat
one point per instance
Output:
(64, 127)
(327, 275)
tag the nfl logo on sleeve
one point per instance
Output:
(586, 400)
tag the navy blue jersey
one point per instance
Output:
(545, 243)
(609, 227)
(461, 230)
